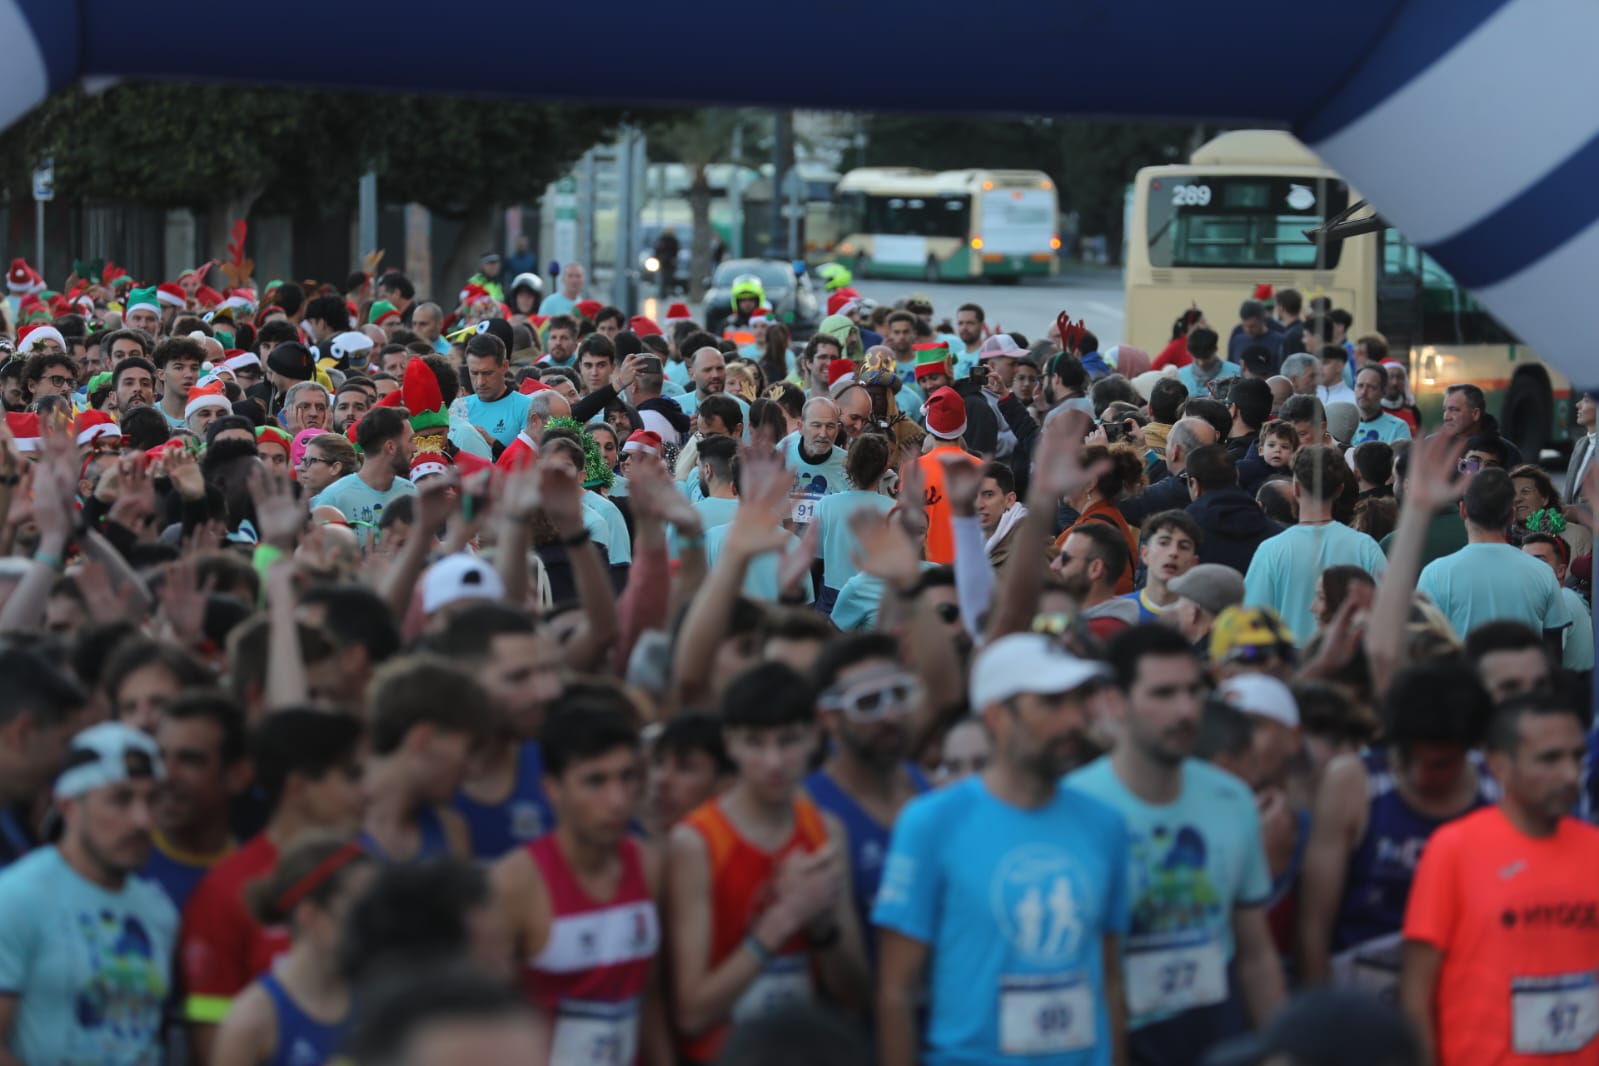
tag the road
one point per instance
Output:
(1093, 294)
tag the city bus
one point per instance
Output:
(900, 222)
(1207, 233)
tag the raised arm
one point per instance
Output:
(1431, 483)
(562, 496)
(54, 489)
(646, 604)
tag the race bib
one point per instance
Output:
(1371, 967)
(1045, 1015)
(595, 1034)
(1170, 973)
(804, 509)
(784, 982)
(1554, 1015)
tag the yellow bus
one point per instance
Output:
(900, 222)
(1207, 233)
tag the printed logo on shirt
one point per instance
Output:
(1171, 889)
(1567, 914)
(121, 1003)
(1038, 901)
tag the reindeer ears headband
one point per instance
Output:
(1071, 333)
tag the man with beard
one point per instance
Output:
(969, 328)
(133, 382)
(866, 701)
(1504, 900)
(815, 461)
(202, 740)
(386, 441)
(86, 948)
(1195, 860)
(1371, 386)
(1009, 883)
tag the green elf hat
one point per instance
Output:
(932, 359)
(596, 474)
(380, 312)
(142, 298)
(100, 381)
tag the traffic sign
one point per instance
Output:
(44, 181)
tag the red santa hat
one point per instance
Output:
(207, 297)
(95, 426)
(643, 440)
(644, 326)
(677, 313)
(1263, 292)
(207, 395)
(30, 337)
(237, 359)
(762, 315)
(844, 301)
(22, 279)
(24, 427)
(589, 308)
(837, 369)
(532, 385)
(946, 414)
(473, 294)
(172, 295)
(429, 464)
(60, 306)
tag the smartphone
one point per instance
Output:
(1222, 389)
(1113, 431)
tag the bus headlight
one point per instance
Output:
(977, 244)
(651, 264)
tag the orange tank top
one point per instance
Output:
(741, 890)
(940, 517)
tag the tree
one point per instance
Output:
(220, 151)
(698, 139)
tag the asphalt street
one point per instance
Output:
(1093, 294)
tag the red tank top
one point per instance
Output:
(741, 890)
(591, 974)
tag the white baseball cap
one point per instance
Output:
(107, 754)
(459, 577)
(1029, 663)
(1262, 695)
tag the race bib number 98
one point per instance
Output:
(1045, 1015)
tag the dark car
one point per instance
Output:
(790, 295)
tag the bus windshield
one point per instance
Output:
(1239, 221)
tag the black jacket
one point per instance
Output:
(1168, 494)
(1231, 526)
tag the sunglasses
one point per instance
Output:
(871, 699)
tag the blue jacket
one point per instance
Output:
(1231, 526)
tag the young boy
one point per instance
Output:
(758, 877)
(1168, 550)
(1278, 443)
(428, 718)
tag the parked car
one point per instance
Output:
(789, 293)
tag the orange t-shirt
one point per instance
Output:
(1517, 921)
(741, 890)
(940, 519)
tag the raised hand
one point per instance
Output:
(279, 517)
(912, 482)
(1058, 468)
(627, 373)
(962, 481)
(653, 494)
(184, 471)
(132, 491)
(1432, 474)
(883, 549)
(183, 599)
(562, 494)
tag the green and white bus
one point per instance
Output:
(900, 222)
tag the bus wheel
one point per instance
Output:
(1528, 413)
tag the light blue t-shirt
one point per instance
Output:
(714, 511)
(502, 419)
(1189, 864)
(1578, 652)
(832, 514)
(1491, 583)
(618, 546)
(91, 968)
(855, 610)
(1385, 427)
(689, 404)
(1186, 375)
(1014, 905)
(761, 579)
(557, 304)
(676, 371)
(812, 481)
(361, 505)
(1282, 575)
